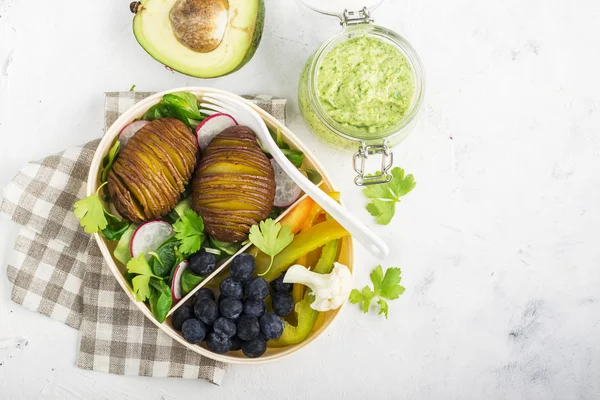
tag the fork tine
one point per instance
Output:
(213, 107)
(207, 112)
(223, 104)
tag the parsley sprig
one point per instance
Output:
(384, 287)
(385, 196)
(271, 238)
(190, 232)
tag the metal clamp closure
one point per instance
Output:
(360, 157)
(356, 17)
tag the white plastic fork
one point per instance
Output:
(245, 115)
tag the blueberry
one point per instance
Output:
(224, 326)
(206, 310)
(218, 343)
(254, 348)
(247, 327)
(279, 287)
(257, 288)
(230, 307)
(204, 293)
(271, 325)
(193, 330)
(236, 343)
(231, 288)
(242, 267)
(202, 263)
(181, 315)
(254, 308)
(283, 304)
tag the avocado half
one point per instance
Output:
(201, 38)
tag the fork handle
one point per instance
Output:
(359, 231)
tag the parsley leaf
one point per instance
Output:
(90, 212)
(94, 218)
(383, 307)
(190, 232)
(385, 196)
(141, 287)
(271, 238)
(141, 282)
(385, 287)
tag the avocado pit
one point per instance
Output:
(200, 24)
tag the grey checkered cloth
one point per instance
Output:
(58, 270)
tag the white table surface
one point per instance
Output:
(498, 242)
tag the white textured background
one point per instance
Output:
(498, 243)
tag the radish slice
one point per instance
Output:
(149, 236)
(212, 126)
(176, 287)
(130, 130)
(286, 190)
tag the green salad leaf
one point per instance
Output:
(162, 110)
(160, 299)
(122, 251)
(295, 156)
(225, 247)
(147, 286)
(180, 105)
(190, 232)
(184, 101)
(109, 159)
(189, 281)
(115, 228)
(312, 175)
(385, 287)
(165, 258)
(384, 197)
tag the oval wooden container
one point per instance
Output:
(118, 269)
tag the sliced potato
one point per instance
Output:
(150, 173)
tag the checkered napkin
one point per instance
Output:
(58, 270)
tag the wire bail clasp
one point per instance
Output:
(350, 18)
(360, 157)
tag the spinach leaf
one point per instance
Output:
(115, 228)
(275, 212)
(189, 281)
(312, 175)
(162, 110)
(165, 259)
(160, 299)
(184, 101)
(129, 278)
(295, 156)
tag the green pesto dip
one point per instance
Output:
(365, 84)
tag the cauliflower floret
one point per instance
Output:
(330, 290)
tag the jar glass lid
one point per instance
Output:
(337, 7)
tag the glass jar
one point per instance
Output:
(342, 135)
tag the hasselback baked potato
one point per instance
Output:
(152, 170)
(234, 185)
